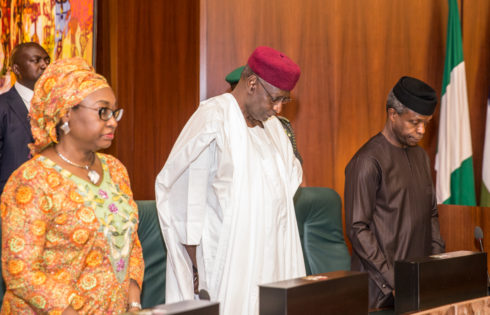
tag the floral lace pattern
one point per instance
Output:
(68, 242)
(116, 217)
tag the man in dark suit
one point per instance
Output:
(28, 62)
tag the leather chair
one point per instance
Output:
(319, 216)
(154, 254)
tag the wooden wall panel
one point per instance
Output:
(351, 53)
(150, 51)
(458, 225)
(476, 49)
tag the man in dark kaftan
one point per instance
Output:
(390, 203)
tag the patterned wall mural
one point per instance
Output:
(65, 28)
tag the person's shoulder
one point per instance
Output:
(11, 93)
(114, 165)
(213, 111)
(363, 161)
(29, 170)
(36, 177)
(36, 162)
(217, 104)
(372, 148)
(4, 98)
(111, 160)
(7, 97)
(367, 158)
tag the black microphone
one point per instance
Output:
(204, 295)
(479, 237)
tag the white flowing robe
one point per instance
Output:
(228, 189)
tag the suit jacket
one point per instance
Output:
(15, 134)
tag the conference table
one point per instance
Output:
(474, 306)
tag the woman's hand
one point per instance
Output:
(134, 296)
(69, 311)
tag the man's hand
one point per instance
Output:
(195, 277)
(191, 251)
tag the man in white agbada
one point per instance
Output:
(225, 194)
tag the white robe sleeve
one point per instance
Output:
(181, 192)
(189, 216)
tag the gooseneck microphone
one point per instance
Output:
(479, 238)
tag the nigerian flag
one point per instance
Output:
(485, 183)
(454, 160)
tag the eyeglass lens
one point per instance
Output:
(106, 113)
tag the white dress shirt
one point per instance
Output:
(25, 93)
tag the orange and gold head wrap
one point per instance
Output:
(64, 84)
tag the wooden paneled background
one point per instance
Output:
(162, 56)
(457, 227)
(150, 52)
(351, 53)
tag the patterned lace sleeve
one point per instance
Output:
(136, 264)
(25, 209)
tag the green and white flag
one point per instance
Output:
(485, 183)
(454, 160)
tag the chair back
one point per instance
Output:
(154, 254)
(319, 216)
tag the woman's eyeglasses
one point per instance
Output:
(105, 113)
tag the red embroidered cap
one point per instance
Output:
(274, 67)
